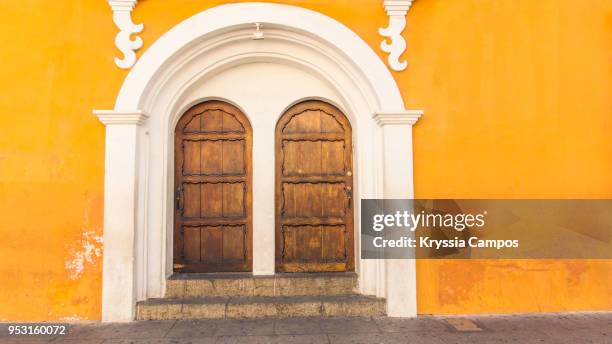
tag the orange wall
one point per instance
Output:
(518, 104)
(516, 94)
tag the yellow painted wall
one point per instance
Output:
(517, 100)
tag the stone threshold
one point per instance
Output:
(247, 285)
(247, 275)
(260, 307)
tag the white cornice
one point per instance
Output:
(400, 117)
(122, 16)
(397, 11)
(108, 117)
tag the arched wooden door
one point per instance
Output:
(314, 180)
(213, 183)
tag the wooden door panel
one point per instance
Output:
(314, 217)
(320, 200)
(333, 158)
(194, 125)
(308, 243)
(231, 125)
(300, 200)
(214, 200)
(212, 245)
(211, 200)
(191, 153)
(211, 121)
(313, 158)
(330, 123)
(315, 243)
(233, 243)
(213, 177)
(211, 157)
(288, 247)
(308, 121)
(302, 243)
(192, 244)
(333, 239)
(233, 157)
(233, 200)
(313, 121)
(191, 200)
(333, 200)
(301, 158)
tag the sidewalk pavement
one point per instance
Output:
(579, 328)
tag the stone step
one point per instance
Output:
(260, 307)
(246, 285)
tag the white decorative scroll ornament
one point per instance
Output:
(122, 16)
(397, 10)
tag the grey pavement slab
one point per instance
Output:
(385, 338)
(282, 339)
(428, 324)
(582, 328)
(349, 325)
(193, 329)
(298, 326)
(246, 327)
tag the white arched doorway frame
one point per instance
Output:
(138, 174)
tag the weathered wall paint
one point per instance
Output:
(517, 103)
(511, 286)
(52, 155)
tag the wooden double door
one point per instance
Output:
(213, 229)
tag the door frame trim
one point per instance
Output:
(137, 194)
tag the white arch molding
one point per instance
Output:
(138, 192)
(395, 46)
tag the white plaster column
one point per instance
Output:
(398, 184)
(264, 249)
(118, 299)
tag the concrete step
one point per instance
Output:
(260, 307)
(246, 285)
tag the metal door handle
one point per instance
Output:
(349, 195)
(179, 199)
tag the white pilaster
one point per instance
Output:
(118, 277)
(398, 184)
(264, 248)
